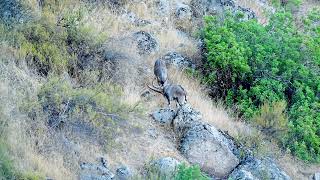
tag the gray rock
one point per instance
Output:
(316, 176)
(178, 60)
(183, 12)
(123, 173)
(203, 144)
(90, 171)
(146, 43)
(219, 7)
(201, 8)
(166, 166)
(163, 7)
(185, 119)
(164, 116)
(253, 169)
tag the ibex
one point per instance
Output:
(160, 71)
(171, 92)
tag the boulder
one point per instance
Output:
(185, 119)
(146, 43)
(164, 116)
(163, 7)
(203, 144)
(264, 168)
(183, 12)
(178, 60)
(166, 167)
(100, 171)
(123, 173)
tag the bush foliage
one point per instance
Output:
(256, 66)
(53, 42)
(190, 173)
(62, 102)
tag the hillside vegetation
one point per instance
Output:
(73, 76)
(272, 75)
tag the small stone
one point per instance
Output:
(166, 166)
(178, 60)
(146, 43)
(124, 173)
(183, 12)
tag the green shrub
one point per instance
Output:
(55, 42)
(255, 66)
(190, 173)
(98, 105)
(6, 166)
(7, 169)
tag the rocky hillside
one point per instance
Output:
(74, 101)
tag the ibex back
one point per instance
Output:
(160, 71)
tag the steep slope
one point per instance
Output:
(54, 123)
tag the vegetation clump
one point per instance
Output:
(56, 41)
(270, 72)
(189, 173)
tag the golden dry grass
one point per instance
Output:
(213, 113)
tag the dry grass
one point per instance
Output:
(15, 85)
(213, 113)
(29, 139)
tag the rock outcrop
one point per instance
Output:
(146, 43)
(164, 116)
(254, 168)
(183, 12)
(123, 173)
(203, 144)
(214, 151)
(178, 60)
